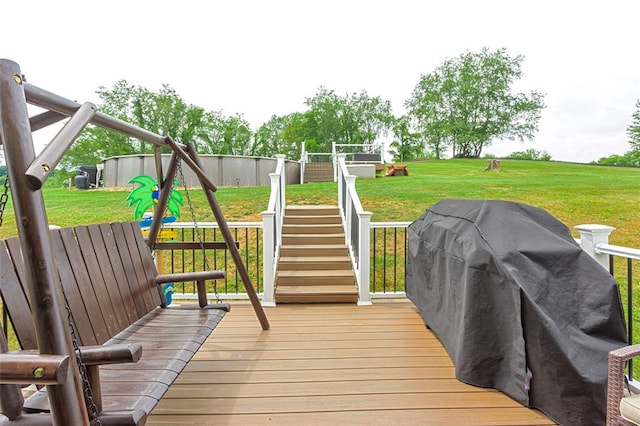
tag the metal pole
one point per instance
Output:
(67, 401)
(228, 238)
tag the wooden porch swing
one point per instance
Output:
(59, 286)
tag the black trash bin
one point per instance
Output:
(82, 181)
(91, 173)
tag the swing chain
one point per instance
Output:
(86, 386)
(195, 226)
(4, 197)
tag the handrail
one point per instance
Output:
(272, 219)
(357, 224)
(613, 250)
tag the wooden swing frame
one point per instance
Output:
(28, 172)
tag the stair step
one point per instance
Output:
(321, 228)
(317, 294)
(312, 219)
(309, 239)
(312, 277)
(312, 210)
(314, 263)
(314, 250)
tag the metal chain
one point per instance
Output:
(195, 227)
(86, 386)
(4, 197)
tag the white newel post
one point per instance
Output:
(365, 254)
(593, 235)
(268, 255)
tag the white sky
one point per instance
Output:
(261, 57)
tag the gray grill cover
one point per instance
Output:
(508, 291)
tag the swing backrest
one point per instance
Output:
(107, 273)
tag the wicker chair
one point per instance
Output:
(619, 403)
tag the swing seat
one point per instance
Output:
(117, 301)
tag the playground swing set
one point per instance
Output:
(91, 295)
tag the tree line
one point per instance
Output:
(460, 107)
(631, 157)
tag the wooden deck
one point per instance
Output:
(330, 364)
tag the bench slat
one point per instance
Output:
(96, 278)
(124, 305)
(106, 288)
(133, 268)
(16, 302)
(90, 327)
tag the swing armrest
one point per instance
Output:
(190, 276)
(198, 277)
(32, 367)
(120, 353)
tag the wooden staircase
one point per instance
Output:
(314, 265)
(318, 172)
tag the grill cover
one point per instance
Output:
(518, 305)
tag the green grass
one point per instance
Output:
(574, 193)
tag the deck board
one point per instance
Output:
(330, 364)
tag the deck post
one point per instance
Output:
(67, 400)
(268, 256)
(364, 297)
(591, 236)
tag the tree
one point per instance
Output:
(632, 157)
(236, 136)
(353, 119)
(467, 102)
(629, 158)
(278, 136)
(164, 113)
(530, 154)
(407, 145)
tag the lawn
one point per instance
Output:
(574, 193)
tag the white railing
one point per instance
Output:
(272, 230)
(371, 153)
(389, 245)
(246, 234)
(357, 224)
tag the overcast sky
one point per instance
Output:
(261, 57)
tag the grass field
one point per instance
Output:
(575, 194)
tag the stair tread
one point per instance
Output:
(317, 289)
(313, 225)
(302, 246)
(311, 207)
(316, 273)
(319, 225)
(311, 235)
(313, 216)
(316, 259)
